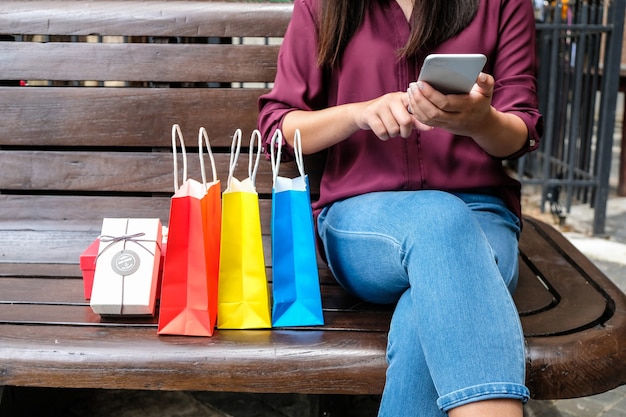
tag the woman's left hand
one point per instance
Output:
(460, 114)
(499, 134)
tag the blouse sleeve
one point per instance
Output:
(515, 68)
(299, 80)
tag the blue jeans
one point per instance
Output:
(450, 262)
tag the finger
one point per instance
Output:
(392, 127)
(421, 126)
(403, 117)
(438, 99)
(378, 127)
(426, 113)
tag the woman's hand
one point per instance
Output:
(499, 134)
(461, 114)
(387, 116)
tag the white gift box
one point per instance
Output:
(127, 267)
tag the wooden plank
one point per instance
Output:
(124, 117)
(150, 62)
(580, 305)
(51, 247)
(12, 269)
(83, 315)
(47, 247)
(531, 295)
(65, 291)
(145, 18)
(69, 291)
(130, 172)
(41, 213)
(237, 360)
(69, 213)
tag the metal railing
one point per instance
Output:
(579, 51)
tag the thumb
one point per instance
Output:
(485, 82)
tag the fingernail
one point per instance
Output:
(412, 86)
(420, 85)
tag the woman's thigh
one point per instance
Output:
(369, 239)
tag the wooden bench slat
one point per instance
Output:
(134, 172)
(69, 291)
(141, 117)
(151, 62)
(571, 288)
(60, 247)
(145, 18)
(63, 314)
(74, 212)
(13, 269)
(42, 290)
(251, 360)
(83, 315)
(531, 296)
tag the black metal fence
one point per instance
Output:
(579, 50)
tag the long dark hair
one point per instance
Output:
(432, 22)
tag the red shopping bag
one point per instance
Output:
(189, 286)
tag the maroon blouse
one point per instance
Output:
(503, 30)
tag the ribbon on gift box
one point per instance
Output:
(124, 238)
(125, 262)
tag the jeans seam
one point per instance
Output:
(395, 242)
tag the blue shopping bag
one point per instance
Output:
(296, 290)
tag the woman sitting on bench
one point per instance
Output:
(415, 206)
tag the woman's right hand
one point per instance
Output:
(388, 116)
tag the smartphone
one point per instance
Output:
(452, 73)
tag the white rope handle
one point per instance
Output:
(176, 132)
(297, 149)
(276, 147)
(202, 134)
(256, 138)
(235, 148)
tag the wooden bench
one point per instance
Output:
(89, 137)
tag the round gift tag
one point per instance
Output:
(125, 262)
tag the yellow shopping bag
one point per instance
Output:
(243, 296)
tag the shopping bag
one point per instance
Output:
(295, 280)
(243, 296)
(189, 284)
